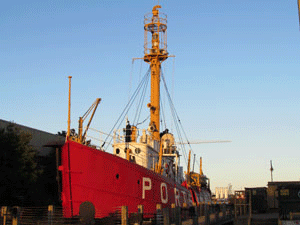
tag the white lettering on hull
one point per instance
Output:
(163, 200)
(146, 187)
(177, 197)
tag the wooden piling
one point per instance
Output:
(140, 214)
(195, 216)
(3, 214)
(124, 215)
(159, 215)
(177, 215)
(166, 216)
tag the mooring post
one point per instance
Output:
(124, 215)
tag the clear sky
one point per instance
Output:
(235, 76)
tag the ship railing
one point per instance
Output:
(162, 18)
(140, 133)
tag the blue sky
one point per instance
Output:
(235, 75)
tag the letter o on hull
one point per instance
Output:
(164, 192)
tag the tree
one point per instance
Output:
(18, 165)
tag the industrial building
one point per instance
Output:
(41, 141)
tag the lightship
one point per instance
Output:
(144, 168)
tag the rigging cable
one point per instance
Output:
(174, 115)
(130, 79)
(140, 103)
(127, 107)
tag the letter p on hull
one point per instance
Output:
(145, 186)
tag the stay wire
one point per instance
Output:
(179, 121)
(163, 120)
(128, 105)
(141, 102)
(174, 115)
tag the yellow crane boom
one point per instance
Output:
(81, 137)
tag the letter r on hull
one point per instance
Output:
(177, 197)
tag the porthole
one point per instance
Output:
(117, 151)
(138, 182)
(117, 176)
(137, 150)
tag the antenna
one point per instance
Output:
(194, 162)
(271, 169)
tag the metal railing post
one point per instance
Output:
(50, 214)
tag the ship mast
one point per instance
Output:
(155, 52)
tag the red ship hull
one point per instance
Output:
(108, 182)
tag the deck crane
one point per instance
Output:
(82, 136)
(195, 179)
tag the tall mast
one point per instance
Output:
(69, 108)
(155, 52)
